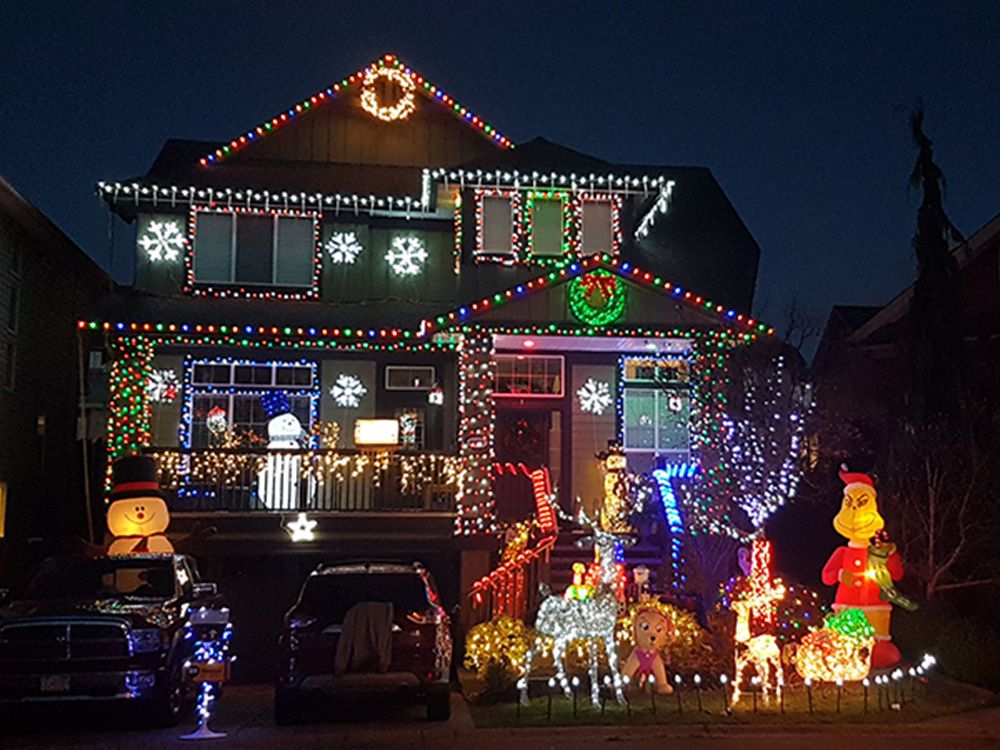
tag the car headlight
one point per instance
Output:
(144, 640)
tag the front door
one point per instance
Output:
(519, 437)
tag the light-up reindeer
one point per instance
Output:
(760, 651)
(592, 619)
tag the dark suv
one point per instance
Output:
(421, 649)
(108, 628)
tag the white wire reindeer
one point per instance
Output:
(591, 620)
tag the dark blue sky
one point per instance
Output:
(794, 107)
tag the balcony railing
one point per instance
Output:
(262, 481)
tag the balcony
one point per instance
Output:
(260, 481)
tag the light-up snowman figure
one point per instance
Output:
(278, 483)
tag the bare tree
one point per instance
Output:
(938, 489)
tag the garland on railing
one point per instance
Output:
(223, 467)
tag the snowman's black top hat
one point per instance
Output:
(134, 476)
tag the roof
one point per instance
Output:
(899, 306)
(388, 61)
(383, 323)
(30, 219)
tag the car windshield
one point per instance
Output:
(103, 578)
(330, 596)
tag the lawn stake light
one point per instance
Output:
(697, 690)
(864, 684)
(677, 680)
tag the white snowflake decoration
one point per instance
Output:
(595, 396)
(162, 386)
(343, 247)
(406, 256)
(162, 240)
(347, 391)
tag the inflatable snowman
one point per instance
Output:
(279, 481)
(138, 514)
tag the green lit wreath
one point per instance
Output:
(597, 298)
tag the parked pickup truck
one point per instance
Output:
(108, 628)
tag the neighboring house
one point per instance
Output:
(46, 284)
(378, 251)
(861, 363)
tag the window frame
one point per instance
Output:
(516, 357)
(232, 389)
(252, 289)
(479, 252)
(615, 202)
(662, 391)
(431, 368)
(567, 240)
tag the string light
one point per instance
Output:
(236, 288)
(420, 84)
(209, 665)
(482, 253)
(476, 374)
(571, 269)
(128, 406)
(840, 650)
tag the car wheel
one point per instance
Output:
(166, 711)
(287, 707)
(439, 705)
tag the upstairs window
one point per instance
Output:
(257, 250)
(546, 217)
(497, 219)
(600, 227)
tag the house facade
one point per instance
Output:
(430, 302)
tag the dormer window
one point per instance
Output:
(254, 253)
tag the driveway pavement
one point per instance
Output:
(245, 713)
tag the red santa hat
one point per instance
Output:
(855, 480)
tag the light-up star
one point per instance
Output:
(301, 529)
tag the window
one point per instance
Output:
(498, 223)
(498, 217)
(403, 378)
(235, 387)
(598, 236)
(656, 406)
(547, 227)
(254, 249)
(528, 375)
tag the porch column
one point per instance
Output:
(128, 403)
(475, 434)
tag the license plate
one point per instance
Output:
(54, 683)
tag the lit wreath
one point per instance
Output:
(597, 298)
(402, 109)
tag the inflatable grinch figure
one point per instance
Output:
(859, 575)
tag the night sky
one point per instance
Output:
(797, 110)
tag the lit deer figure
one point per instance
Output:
(591, 620)
(760, 651)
